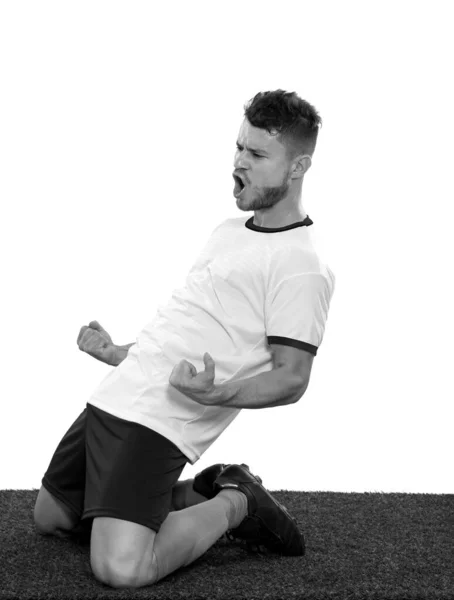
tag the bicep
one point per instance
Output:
(297, 361)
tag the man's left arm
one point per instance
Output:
(277, 387)
(284, 384)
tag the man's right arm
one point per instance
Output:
(122, 353)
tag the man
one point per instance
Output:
(257, 298)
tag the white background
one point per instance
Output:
(118, 125)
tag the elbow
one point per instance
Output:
(301, 391)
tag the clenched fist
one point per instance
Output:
(95, 341)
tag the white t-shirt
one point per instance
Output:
(249, 287)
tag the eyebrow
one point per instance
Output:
(253, 149)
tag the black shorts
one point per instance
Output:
(108, 467)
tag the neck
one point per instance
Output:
(281, 220)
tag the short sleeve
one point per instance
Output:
(297, 310)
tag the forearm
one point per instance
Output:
(277, 387)
(122, 353)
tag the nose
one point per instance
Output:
(240, 162)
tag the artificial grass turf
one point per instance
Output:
(371, 545)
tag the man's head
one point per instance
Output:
(275, 145)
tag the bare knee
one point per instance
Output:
(119, 573)
(112, 573)
(51, 516)
(131, 566)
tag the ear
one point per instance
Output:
(302, 165)
(305, 161)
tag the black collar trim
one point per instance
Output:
(250, 225)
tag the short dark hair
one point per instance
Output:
(294, 121)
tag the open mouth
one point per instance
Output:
(239, 186)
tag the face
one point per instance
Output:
(261, 163)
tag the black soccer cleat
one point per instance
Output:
(203, 481)
(268, 522)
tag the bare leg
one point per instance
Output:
(51, 516)
(186, 535)
(183, 537)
